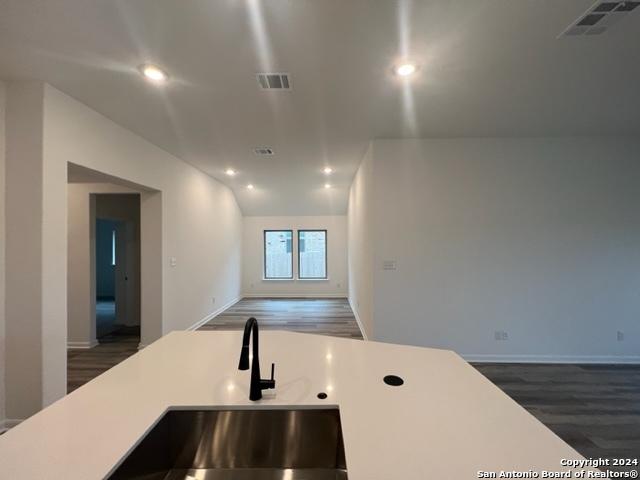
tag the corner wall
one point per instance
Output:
(27, 354)
(360, 229)
(536, 240)
(2, 253)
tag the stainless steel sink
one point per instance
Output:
(301, 444)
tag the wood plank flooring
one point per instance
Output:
(324, 316)
(594, 408)
(85, 365)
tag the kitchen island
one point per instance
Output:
(446, 421)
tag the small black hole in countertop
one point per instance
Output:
(393, 380)
(322, 395)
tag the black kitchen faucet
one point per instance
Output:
(257, 384)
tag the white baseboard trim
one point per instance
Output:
(592, 359)
(8, 424)
(82, 345)
(213, 314)
(358, 321)
(293, 295)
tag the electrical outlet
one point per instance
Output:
(500, 335)
(338, 285)
(213, 300)
(620, 336)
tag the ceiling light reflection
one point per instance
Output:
(406, 69)
(153, 73)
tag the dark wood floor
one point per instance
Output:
(85, 365)
(324, 316)
(594, 408)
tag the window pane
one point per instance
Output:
(278, 257)
(113, 248)
(312, 251)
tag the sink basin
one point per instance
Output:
(260, 444)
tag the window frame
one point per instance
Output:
(264, 254)
(326, 253)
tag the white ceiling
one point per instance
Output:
(487, 68)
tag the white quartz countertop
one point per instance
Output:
(446, 422)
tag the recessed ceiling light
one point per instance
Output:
(230, 171)
(328, 170)
(153, 73)
(406, 69)
(250, 186)
(327, 185)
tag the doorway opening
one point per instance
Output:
(114, 272)
(117, 268)
(106, 234)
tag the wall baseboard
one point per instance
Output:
(213, 314)
(8, 424)
(589, 359)
(82, 345)
(358, 321)
(294, 295)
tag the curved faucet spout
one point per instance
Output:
(252, 324)
(257, 384)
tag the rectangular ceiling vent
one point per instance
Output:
(274, 81)
(600, 17)
(263, 151)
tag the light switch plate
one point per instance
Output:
(389, 265)
(173, 261)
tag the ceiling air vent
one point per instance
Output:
(263, 151)
(274, 81)
(600, 17)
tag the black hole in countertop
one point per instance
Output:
(393, 380)
(322, 395)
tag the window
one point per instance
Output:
(113, 248)
(312, 254)
(278, 254)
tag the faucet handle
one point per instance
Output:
(269, 383)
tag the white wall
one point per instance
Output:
(253, 283)
(539, 238)
(201, 221)
(360, 245)
(2, 248)
(200, 225)
(27, 353)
